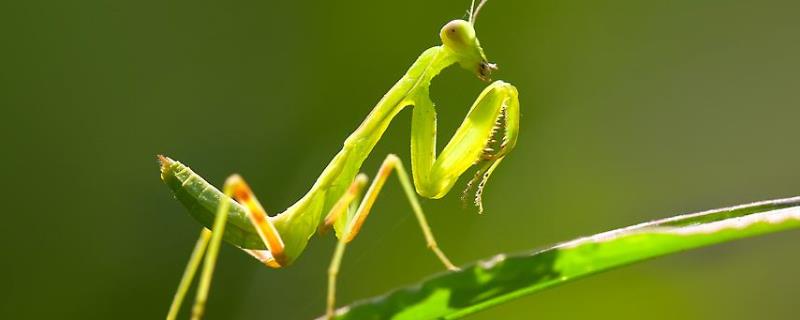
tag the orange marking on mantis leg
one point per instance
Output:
(338, 209)
(242, 194)
(370, 197)
(385, 170)
(341, 205)
(256, 211)
(265, 257)
(267, 230)
(258, 217)
(241, 191)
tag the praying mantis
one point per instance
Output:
(337, 199)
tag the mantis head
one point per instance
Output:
(459, 37)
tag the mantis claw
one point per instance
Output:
(494, 150)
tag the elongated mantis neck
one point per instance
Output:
(415, 82)
(357, 147)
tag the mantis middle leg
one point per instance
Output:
(354, 224)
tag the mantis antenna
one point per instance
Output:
(473, 11)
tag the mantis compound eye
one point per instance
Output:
(457, 34)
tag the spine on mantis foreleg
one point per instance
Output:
(202, 199)
(501, 140)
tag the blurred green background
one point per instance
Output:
(631, 110)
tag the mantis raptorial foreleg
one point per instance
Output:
(474, 139)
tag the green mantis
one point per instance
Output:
(337, 199)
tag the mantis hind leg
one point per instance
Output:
(353, 225)
(210, 242)
(211, 257)
(189, 272)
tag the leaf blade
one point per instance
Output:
(503, 278)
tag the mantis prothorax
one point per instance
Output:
(488, 133)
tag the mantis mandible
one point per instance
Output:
(336, 200)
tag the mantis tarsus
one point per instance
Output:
(488, 133)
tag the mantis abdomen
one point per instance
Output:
(201, 199)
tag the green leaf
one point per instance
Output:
(487, 283)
